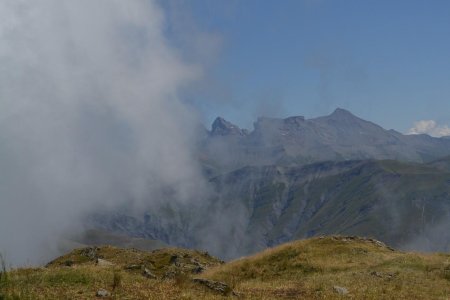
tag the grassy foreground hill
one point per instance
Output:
(318, 268)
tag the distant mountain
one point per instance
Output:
(296, 140)
(295, 178)
(221, 127)
(392, 201)
(442, 163)
(259, 206)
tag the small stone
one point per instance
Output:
(217, 286)
(146, 272)
(90, 252)
(102, 293)
(390, 275)
(340, 290)
(377, 274)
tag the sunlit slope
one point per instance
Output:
(330, 267)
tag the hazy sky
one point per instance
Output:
(386, 61)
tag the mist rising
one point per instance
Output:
(89, 117)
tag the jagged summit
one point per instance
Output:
(222, 127)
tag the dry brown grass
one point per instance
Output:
(310, 269)
(307, 269)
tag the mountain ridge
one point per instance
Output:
(296, 140)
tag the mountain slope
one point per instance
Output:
(391, 201)
(442, 163)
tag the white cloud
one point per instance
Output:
(90, 116)
(429, 127)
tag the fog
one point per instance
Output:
(90, 117)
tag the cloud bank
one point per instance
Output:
(429, 127)
(89, 117)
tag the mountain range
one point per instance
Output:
(296, 178)
(296, 140)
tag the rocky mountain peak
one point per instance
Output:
(339, 115)
(342, 114)
(222, 127)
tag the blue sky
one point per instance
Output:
(386, 61)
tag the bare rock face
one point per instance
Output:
(221, 127)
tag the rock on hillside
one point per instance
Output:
(160, 263)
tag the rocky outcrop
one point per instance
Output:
(217, 286)
(221, 127)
